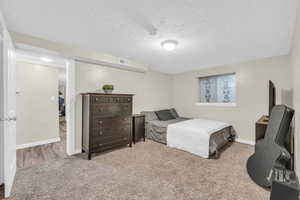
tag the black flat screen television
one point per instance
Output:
(272, 96)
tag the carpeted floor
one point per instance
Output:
(148, 171)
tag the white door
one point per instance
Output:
(8, 111)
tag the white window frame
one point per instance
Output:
(216, 104)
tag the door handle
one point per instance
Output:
(8, 119)
(12, 119)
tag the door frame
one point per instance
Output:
(7, 116)
(70, 108)
(1, 119)
(69, 64)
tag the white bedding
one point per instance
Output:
(193, 135)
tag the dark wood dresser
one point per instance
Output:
(138, 128)
(106, 121)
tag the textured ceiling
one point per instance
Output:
(209, 32)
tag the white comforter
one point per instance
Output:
(193, 135)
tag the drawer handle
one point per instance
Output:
(100, 122)
(100, 145)
(101, 133)
(101, 110)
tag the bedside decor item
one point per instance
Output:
(106, 122)
(108, 89)
(138, 128)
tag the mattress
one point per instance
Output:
(198, 136)
(156, 130)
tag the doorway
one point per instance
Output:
(45, 112)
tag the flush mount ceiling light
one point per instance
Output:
(46, 59)
(169, 45)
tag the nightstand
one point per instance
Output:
(138, 128)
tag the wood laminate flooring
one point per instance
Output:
(31, 156)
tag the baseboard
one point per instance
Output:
(32, 144)
(239, 140)
(76, 151)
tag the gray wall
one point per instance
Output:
(251, 93)
(37, 103)
(152, 90)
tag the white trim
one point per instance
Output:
(2, 26)
(216, 104)
(69, 65)
(36, 58)
(120, 64)
(239, 140)
(32, 144)
(77, 151)
(75, 54)
(7, 110)
(70, 107)
(9, 184)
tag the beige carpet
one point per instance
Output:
(146, 171)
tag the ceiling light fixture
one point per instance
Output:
(46, 59)
(169, 45)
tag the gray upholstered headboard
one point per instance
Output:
(151, 116)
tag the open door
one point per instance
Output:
(8, 108)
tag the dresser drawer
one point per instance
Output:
(126, 108)
(111, 131)
(102, 140)
(125, 99)
(113, 122)
(109, 143)
(110, 109)
(110, 99)
(105, 110)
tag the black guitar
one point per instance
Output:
(270, 152)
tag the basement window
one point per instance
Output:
(217, 90)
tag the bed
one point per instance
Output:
(176, 133)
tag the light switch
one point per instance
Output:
(52, 98)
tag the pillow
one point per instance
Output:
(149, 116)
(164, 115)
(174, 113)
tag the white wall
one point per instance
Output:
(295, 62)
(252, 93)
(37, 103)
(152, 90)
(2, 25)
